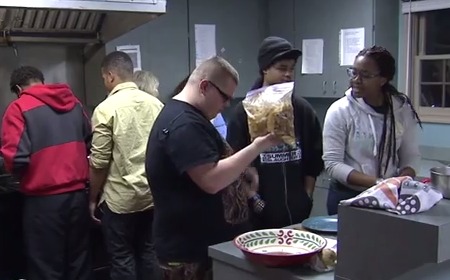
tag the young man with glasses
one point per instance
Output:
(190, 169)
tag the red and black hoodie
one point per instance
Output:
(45, 140)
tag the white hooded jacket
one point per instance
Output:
(351, 137)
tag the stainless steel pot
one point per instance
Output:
(440, 179)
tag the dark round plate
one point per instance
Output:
(327, 224)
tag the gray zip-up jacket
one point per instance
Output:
(352, 133)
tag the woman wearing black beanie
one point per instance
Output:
(286, 181)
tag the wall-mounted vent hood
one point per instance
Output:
(69, 21)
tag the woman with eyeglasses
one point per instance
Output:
(287, 175)
(370, 133)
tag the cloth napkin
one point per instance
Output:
(400, 195)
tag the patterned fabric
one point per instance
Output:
(400, 195)
(234, 197)
(258, 204)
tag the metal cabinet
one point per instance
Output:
(240, 28)
(314, 20)
(323, 19)
(347, 14)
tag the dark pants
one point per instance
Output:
(56, 234)
(187, 271)
(12, 255)
(336, 193)
(128, 240)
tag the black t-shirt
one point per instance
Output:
(187, 219)
(382, 109)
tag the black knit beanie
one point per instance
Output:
(273, 49)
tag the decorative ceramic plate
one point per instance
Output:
(280, 247)
(327, 224)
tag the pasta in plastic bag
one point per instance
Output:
(270, 110)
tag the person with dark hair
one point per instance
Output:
(23, 76)
(286, 184)
(45, 142)
(199, 185)
(180, 86)
(121, 126)
(371, 132)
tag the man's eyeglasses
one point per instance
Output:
(225, 97)
(353, 73)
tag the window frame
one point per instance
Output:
(417, 54)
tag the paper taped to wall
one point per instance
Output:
(205, 42)
(312, 56)
(134, 51)
(351, 42)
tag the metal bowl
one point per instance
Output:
(440, 179)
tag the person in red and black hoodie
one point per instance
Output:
(45, 141)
